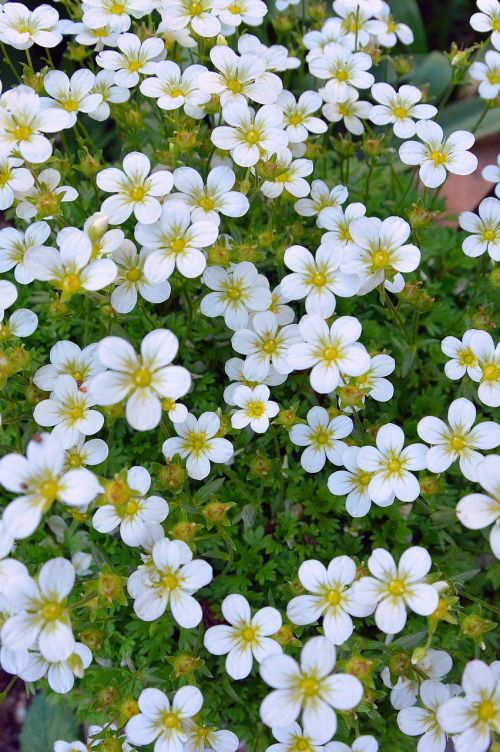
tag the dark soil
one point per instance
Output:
(12, 712)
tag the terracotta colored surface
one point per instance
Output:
(464, 193)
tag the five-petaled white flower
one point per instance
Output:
(134, 57)
(162, 722)
(479, 510)
(173, 88)
(197, 442)
(207, 201)
(250, 135)
(485, 229)
(255, 408)
(399, 108)
(423, 720)
(238, 291)
(321, 437)
(265, 345)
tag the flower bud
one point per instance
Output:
(374, 146)
(482, 320)
(495, 277)
(285, 636)
(128, 708)
(287, 417)
(184, 531)
(474, 627)
(419, 216)
(345, 146)
(351, 396)
(429, 485)
(317, 12)
(359, 666)
(245, 251)
(402, 64)
(92, 638)
(185, 664)
(216, 511)
(58, 308)
(186, 140)
(90, 164)
(108, 696)
(399, 663)
(282, 23)
(172, 476)
(260, 465)
(34, 80)
(110, 586)
(77, 52)
(98, 226)
(219, 254)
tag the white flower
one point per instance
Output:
(298, 115)
(392, 31)
(161, 722)
(76, 746)
(255, 408)
(61, 673)
(71, 269)
(234, 370)
(22, 323)
(170, 578)
(250, 12)
(13, 179)
(289, 176)
(140, 379)
(116, 16)
(330, 597)
(423, 720)
(434, 665)
(488, 74)
(459, 440)
(373, 381)
(104, 84)
(173, 88)
(344, 70)
(317, 279)
(40, 480)
(135, 57)
(380, 252)
(82, 563)
(246, 638)
(198, 444)
(321, 437)
(477, 511)
(131, 279)
(437, 154)
(338, 222)
(321, 197)
(291, 738)
(284, 313)
(42, 619)
(250, 135)
(392, 588)
(92, 452)
(473, 718)
(207, 200)
(21, 27)
(72, 95)
(277, 56)
(400, 108)
(332, 31)
(45, 193)
(488, 20)
(8, 295)
(200, 16)
(332, 352)
(135, 190)
(239, 77)
(488, 358)
(310, 687)
(129, 507)
(69, 411)
(390, 464)
(485, 229)
(265, 345)
(24, 118)
(14, 244)
(238, 290)
(353, 482)
(349, 109)
(174, 240)
(67, 357)
(356, 24)
(201, 738)
(463, 359)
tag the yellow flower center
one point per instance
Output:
(345, 233)
(295, 119)
(270, 346)
(467, 357)
(342, 74)
(70, 283)
(309, 686)
(396, 587)
(495, 24)
(364, 479)
(301, 745)
(134, 275)
(21, 132)
(178, 245)
(196, 441)
(132, 507)
(142, 377)
(333, 597)
(168, 404)
(5, 176)
(117, 492)
(52, 611)
(391, 25)
(489, 235)
(234, 8)
(400, 112)
(322, 437)
(380, 259)
(170, 581)
(494, 77)
(137, 193)
(49, 490)
(77, 412)
(256, 409)
(135, 65)
(457, 443)
(207, 203)
(438, 156)
(491, 372)
(318, 279)
(486, 711)
(195, 8)
(330, 354)
(176, 93)
(234, 85)
(394, 465)
(171, 720)
(117, 8)
(252, 136)
(71, 105)
(248, 634)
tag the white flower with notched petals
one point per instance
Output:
(239, 77)
(161, 722)
(140, 379)
(488, 75)
(60, 674)
(399, 108)
(310, 687)
(458, 440)
(92, 452)
(233, 14)
(69, 410)
(474, 718)
(353, 482)
(173, 88)
(72, 95)
(234, 370)
(250, 135)
(423, 720)
(70, 269)
(40, 480)
(373, 382)
(238, 291)
(389, 31)
(488, 359)
(170, 578)
(330, 596)
(134, 58)
(391, 463)
(338, 222)
(116, 16)
(356, 23)
(265, 345)
(24, 119)
(14, 179)
(462, 358)
(207, 200)
(392, 588)
(200, 16)
(485, 229)
(13, 247)
(436, 154)
(255, 408)
(42, 619)
(321, 197)
(104, 85)
(197, 442)
(317, 279)
(130, 508)
(479, 510)
(45, 193)
(291, 738)
(21, 27)
(331, 31)
(344, 70)
(488, 20)
(349, 109)
(67, 357)
(332, 352)
(246, 637)
(174, 240)
(134, 189)
(434, 665)
(131, 279)
(298, 115)
(321, 437)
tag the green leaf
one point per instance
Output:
(464, 115)
(45, 724)
(408, 12)
(433, 70)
